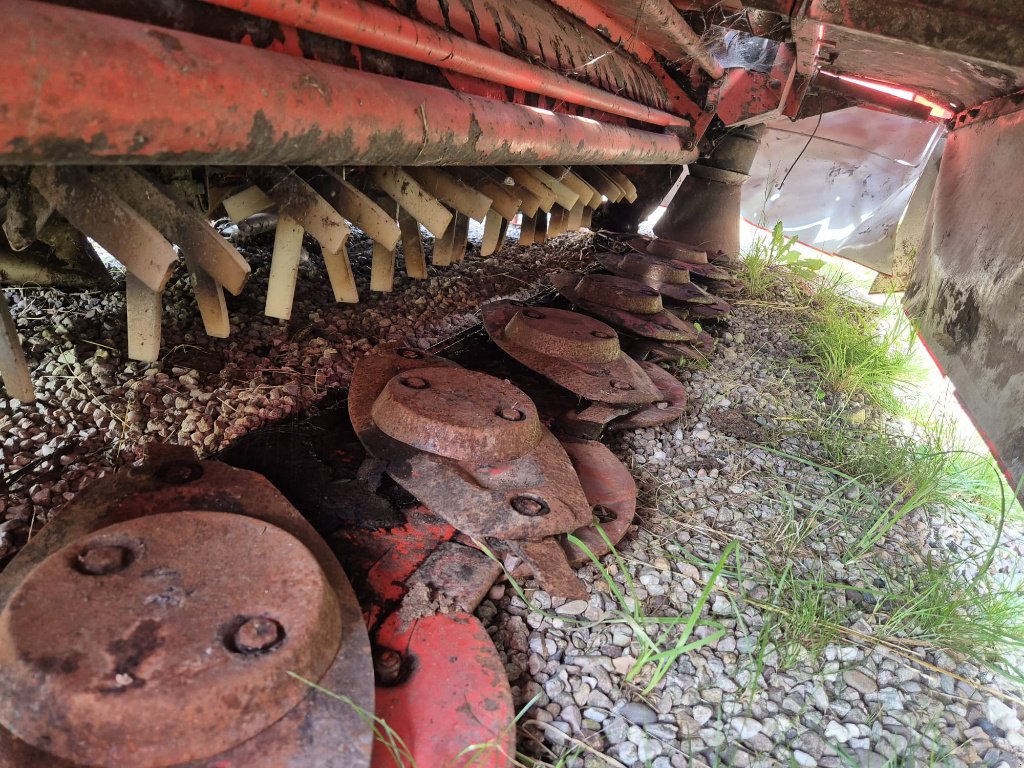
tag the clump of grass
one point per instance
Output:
(770, 261)
(858, 349)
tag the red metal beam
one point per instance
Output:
(382, 29)
(170, 97)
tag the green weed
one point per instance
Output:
(770, 261)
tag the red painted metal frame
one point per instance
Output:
(358, 22)
(59, 107)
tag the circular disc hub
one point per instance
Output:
(620, 293)
(459, 414)
(563, 334)
(164, 639)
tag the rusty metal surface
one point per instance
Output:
(588, 423)
(671, 249)
(670, 408)
(527, 497)
(658, 24)
(458, 414)
(574, 351)
(672, 267)
(318, 730)
(671, 282)
(103, 681)
(963, 52)
(610, 489)
(624, 303)
(550, 565)
(120, 111)
(456, 576)
(384, 30)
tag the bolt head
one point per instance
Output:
(104, 559)
(511, 414)
(258, 635)
(415, 382)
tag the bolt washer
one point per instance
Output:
(624, 303)
(575, 351)
(478, 494)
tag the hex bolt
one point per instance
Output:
(534, 314)
(104, 559)
(258, 635)
(511, 414)
(616, 384)
(180, 472)
(387, 664)
(415, 382)
(530, 506)
(410, 354)
(602, 334)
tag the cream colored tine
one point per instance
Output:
(210, 299)
(339, 272)
(303, 204)
(444, 246)
(503, 199)
(248, 202)
(284, 267)
(588, 195)
(526, 230)
(522, 176)
(412, 246)
(109, 220)
(179, 223)
(557, 222)
(599, 181)
(588, 217)
(13, 367)
(492, 233)
(623, 182)
(357, 207)
(407, 192)
(461, 239)
(540, 230)
(382, 270)
(450, 190)
(564, 196)
(576, 217)
(145, 309)
(620, 192)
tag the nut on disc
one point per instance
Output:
(459, 414)
(164, 639)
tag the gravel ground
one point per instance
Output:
(750, 698)
(746, 697)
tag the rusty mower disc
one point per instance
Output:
(530, 496)
(707, 271)
(610, 490)
(575, 351)
(458, 414)
(670, 283)
(624, 303)
(671, 407)
(161, 640)
(672, 249)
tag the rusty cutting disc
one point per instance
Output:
(610, 489)
(458, 414)
(177, 629)
(527, 497)
(575, 351)
(624, 303)
(672, 249)
(670, 283)
(707, 271)
(671, 407)
(162, 620)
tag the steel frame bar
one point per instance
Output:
(304, 113)
(382, 29)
